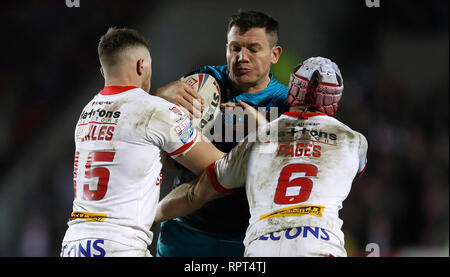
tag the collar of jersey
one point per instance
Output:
(308, 114)
(111, 90)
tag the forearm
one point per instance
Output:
(175, 204)
(200, 156)
(185, 199)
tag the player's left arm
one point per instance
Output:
(186, 198)
(220, 178)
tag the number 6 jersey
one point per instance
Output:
(297, 172)
(117, 170)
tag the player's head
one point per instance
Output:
(317, 83)
(252, 47)
(125, 55)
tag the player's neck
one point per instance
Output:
(122, 82)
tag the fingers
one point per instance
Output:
(228, 105)
(244, 105)
(194, 109)
(185, 106)
(240, 103)
(190, 101)
(191, 94)
(234, 105)
(249, 111)
(194, 106)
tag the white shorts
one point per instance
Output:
(297, 242)
(100, 248)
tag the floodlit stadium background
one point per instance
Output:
(394, 60)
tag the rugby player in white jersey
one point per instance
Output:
(297, 171)
(119, 139)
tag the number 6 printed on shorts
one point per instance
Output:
(304, 183)
(99, 191)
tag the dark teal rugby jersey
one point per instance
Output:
(229, 215)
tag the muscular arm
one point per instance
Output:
(200, 156)
(186, 198)
(221, 178)
(191, 196)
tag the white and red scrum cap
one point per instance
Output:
(316, 82)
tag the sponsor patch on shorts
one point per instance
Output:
(298, 210)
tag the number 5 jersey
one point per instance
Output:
(297, 171)
(117, 170)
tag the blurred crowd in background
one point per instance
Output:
(394, 60)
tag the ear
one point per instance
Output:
(101, 71)
(276, 54)
(140, 67)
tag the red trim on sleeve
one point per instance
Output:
(184, 147)
(362, 171)
(214, 181)
(111, 90)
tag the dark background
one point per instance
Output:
(394, 60)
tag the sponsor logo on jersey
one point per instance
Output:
(182, 126)
(292, 233)
(184, 130)
(88, 216)
(298, 210)
(100, 113)
(176, 111)
(305, 132)
(88, 248)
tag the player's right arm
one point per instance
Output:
(171, 130)
(202, 154)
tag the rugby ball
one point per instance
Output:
(206, 86)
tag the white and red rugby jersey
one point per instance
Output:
(296, 171)
(117, 168)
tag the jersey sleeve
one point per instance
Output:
(229, 173)
(171, 130)
(362, 155)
